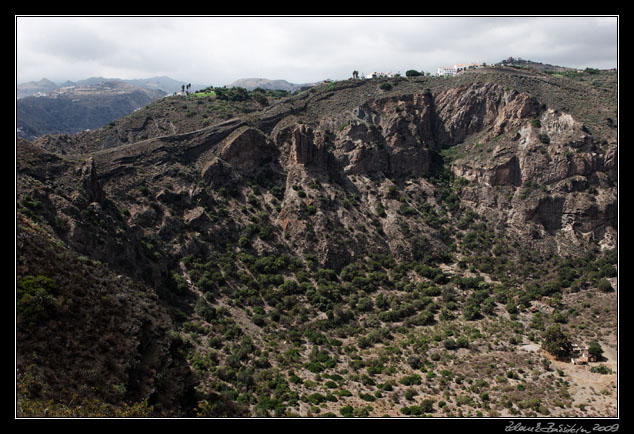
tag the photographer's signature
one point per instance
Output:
(551, 427)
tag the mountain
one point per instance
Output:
(33, 87)
(265, 83)
(395, 246)
(75, 108)
(162, 83)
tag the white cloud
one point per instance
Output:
(219, 50)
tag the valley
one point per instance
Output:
(400, 247)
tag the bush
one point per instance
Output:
(367, 397)
(34, 297)
(386, 86)
(604, 285)
(427, 406)
(450, 344)
(346, 411)
(410, 380)
(602, 369)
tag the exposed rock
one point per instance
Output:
(508, 173)
(308, 149)
(217, 172)
(548, 213)
(245, 149)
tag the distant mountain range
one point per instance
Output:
(166, 84)
(265, 83)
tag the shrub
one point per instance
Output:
(410, 380)
(34, 296)
(346, 411)
(450, 344)
(602, 369)
(367, 397)
(427, 406)
(604, 285)
(410, 394)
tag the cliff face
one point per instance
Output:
(551, 173)
(438, 174)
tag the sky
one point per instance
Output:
(217, 50)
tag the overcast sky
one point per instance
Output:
(219, 50)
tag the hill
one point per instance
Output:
(530, 64)
(265, 83)
(32, 87)
(399, 246)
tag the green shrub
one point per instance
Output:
(410, 380)
(35, 295)
(346, 411)
(604, 285)
(602, 369)
(367, 397)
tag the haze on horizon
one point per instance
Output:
(217, 50)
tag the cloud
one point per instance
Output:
(219, 50)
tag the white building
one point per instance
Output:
(379, 74)
(458, 67)
(447, 70)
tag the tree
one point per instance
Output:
(594, 349)
(412, 73)
(355, 74)
(556, 342)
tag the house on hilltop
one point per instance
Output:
(380, 75)
(455, 69)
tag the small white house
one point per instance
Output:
(379, 74)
